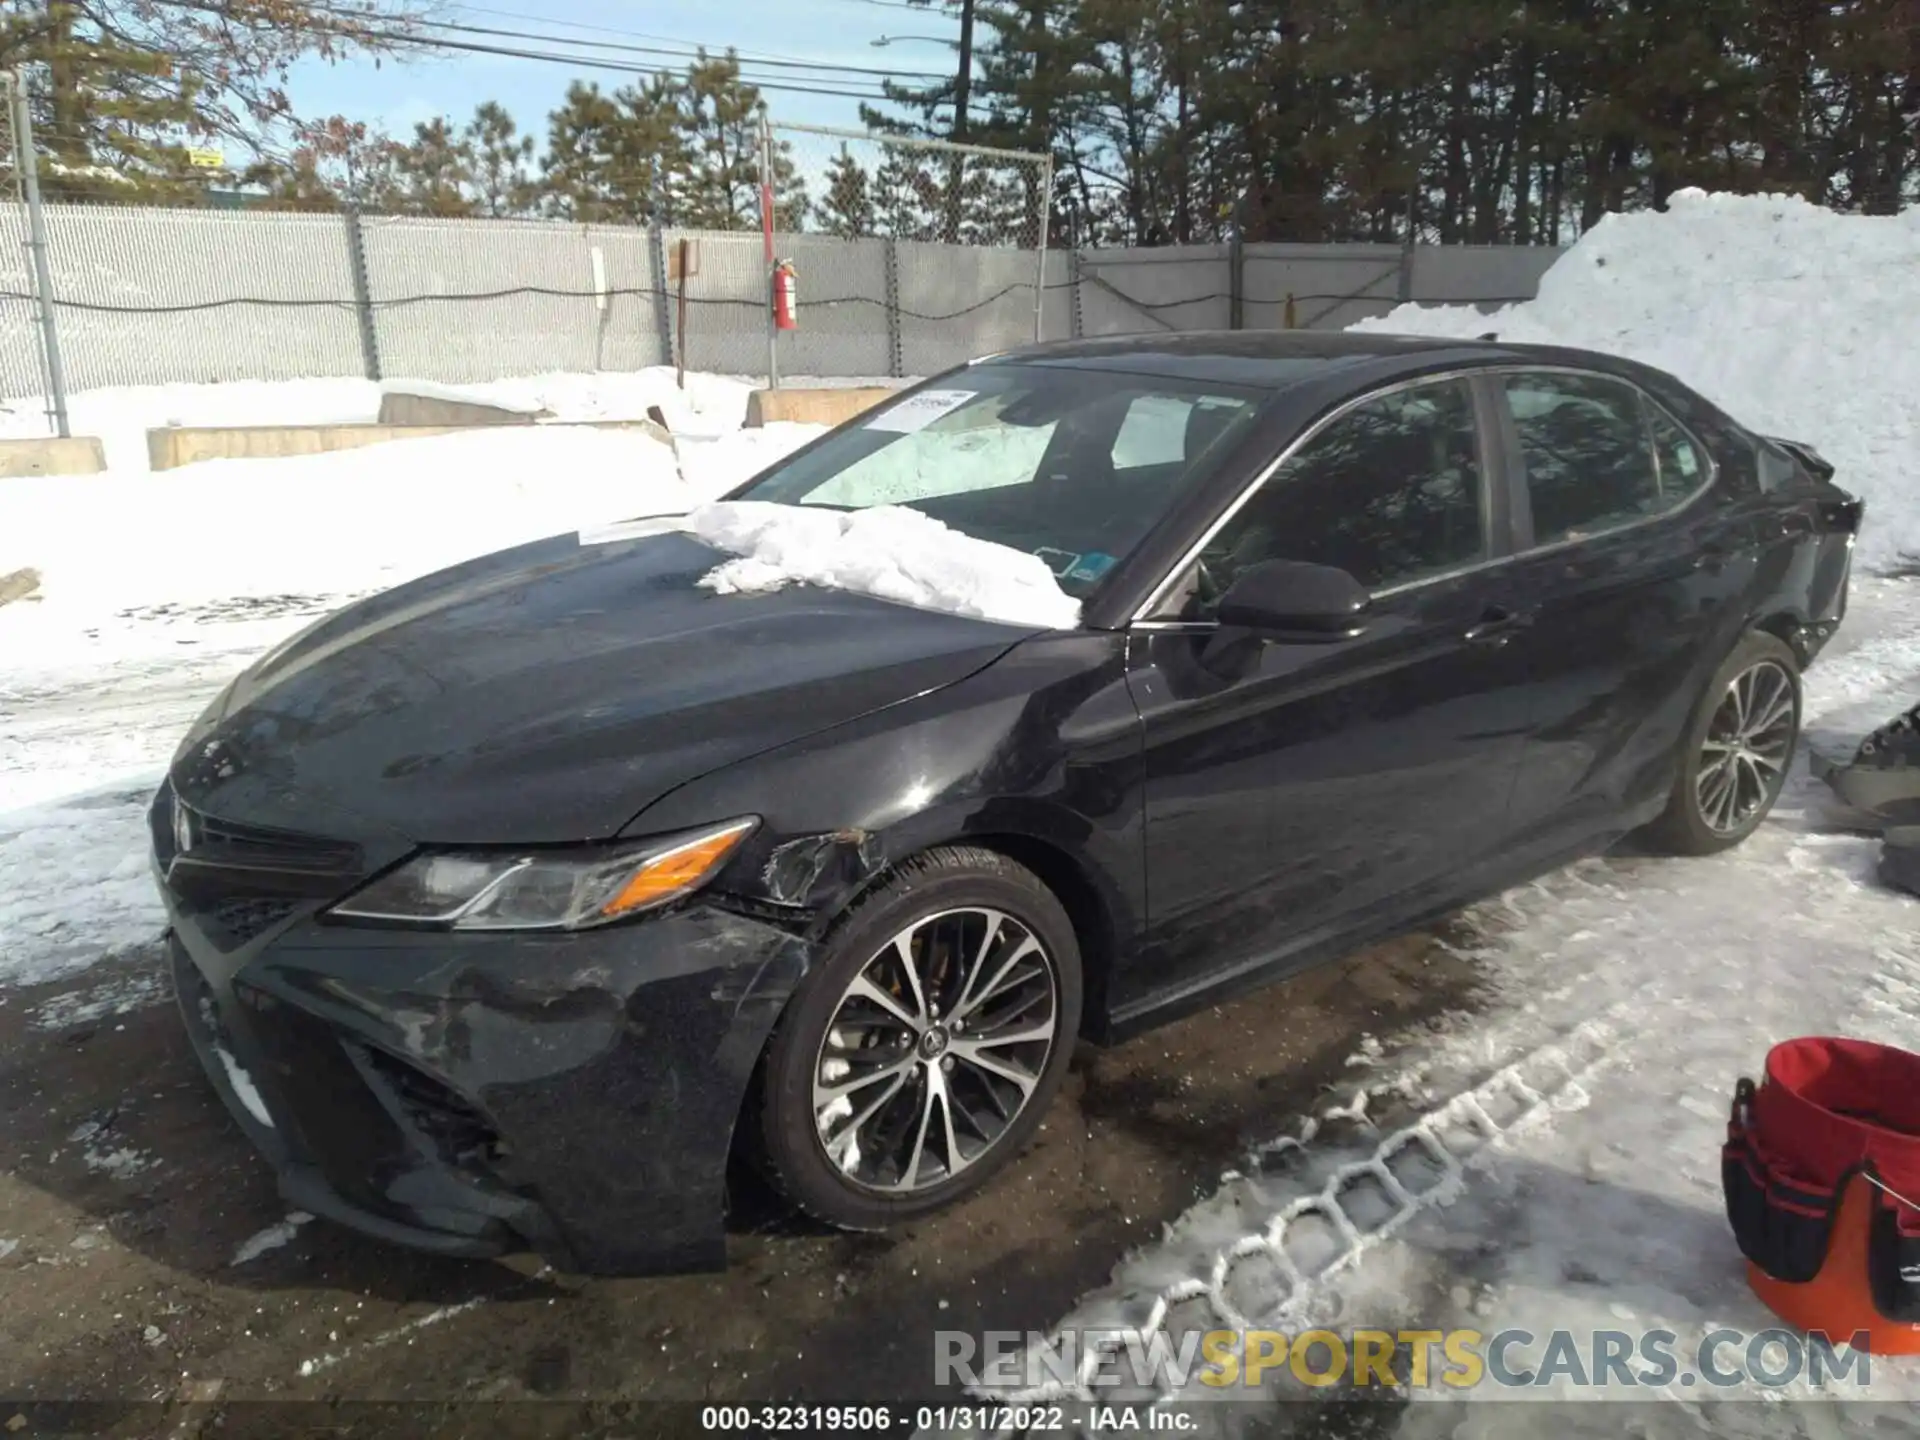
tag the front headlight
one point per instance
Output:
(545, 889)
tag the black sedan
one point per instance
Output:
(510, 906)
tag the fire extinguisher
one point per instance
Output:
(786, 299)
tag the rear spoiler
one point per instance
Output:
(1820, 467)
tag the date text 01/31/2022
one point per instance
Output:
(983, 1419)
(874, 1419)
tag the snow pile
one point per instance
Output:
(1796, 321)
(321, 525)
(888, 551)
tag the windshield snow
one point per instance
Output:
(1069, 466)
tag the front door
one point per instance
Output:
(1290, 785)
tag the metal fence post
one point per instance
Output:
(27, 167)
(1236, 280)
(1073, 282)
(896, 355)
(662, 298)
(1407, 249)
(1040, 277)
(362, 293)
(766, 226)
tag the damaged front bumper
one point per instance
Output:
(476, 1094)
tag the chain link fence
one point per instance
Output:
(910, 256)
(922, 253)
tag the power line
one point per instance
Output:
(362, 31)
(671, 48)
(674, 39)
(441, 42)
(684, 53)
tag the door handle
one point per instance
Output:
(1497, 626)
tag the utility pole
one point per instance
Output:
(27, 168)
(962, 89)
(963, 77)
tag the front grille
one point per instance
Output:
(238, 881)
(459, 1133)
(254, 847)
(235, 921)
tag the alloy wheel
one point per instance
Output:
(1749, 741)
(934, 1050)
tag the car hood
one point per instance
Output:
(550, 693)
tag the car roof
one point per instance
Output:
(1281, 359)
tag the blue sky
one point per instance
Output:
(397, 94)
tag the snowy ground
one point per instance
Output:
(1626, 994)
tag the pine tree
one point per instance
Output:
(619, 157)
(434, 172)
(847, 209)
(722, 125)
(500, 158)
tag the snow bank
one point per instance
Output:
(1797, 321)
(888, 551)
(323, 524)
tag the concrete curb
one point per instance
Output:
(172, 447)
(812, 406)
(47, 455)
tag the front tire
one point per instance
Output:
(1734, 759)
(927, 1045)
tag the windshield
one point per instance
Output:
(1073, 466)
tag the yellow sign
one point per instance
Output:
(206, 159)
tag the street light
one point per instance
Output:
(903, 39)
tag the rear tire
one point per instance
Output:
(1735, 757)
(889, 1091)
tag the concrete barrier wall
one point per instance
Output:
(170, 448)
(402, 407)
(80, 455)
(811, 406)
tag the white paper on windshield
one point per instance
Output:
(917, 412)
(633, 529)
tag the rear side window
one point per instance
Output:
(1683, 466)
(1593, 460)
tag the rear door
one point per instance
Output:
(1632, 561)
(1288, 785)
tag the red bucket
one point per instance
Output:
(1821, 1171)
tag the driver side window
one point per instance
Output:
(1391, 492)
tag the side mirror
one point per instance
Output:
(1298, 600)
